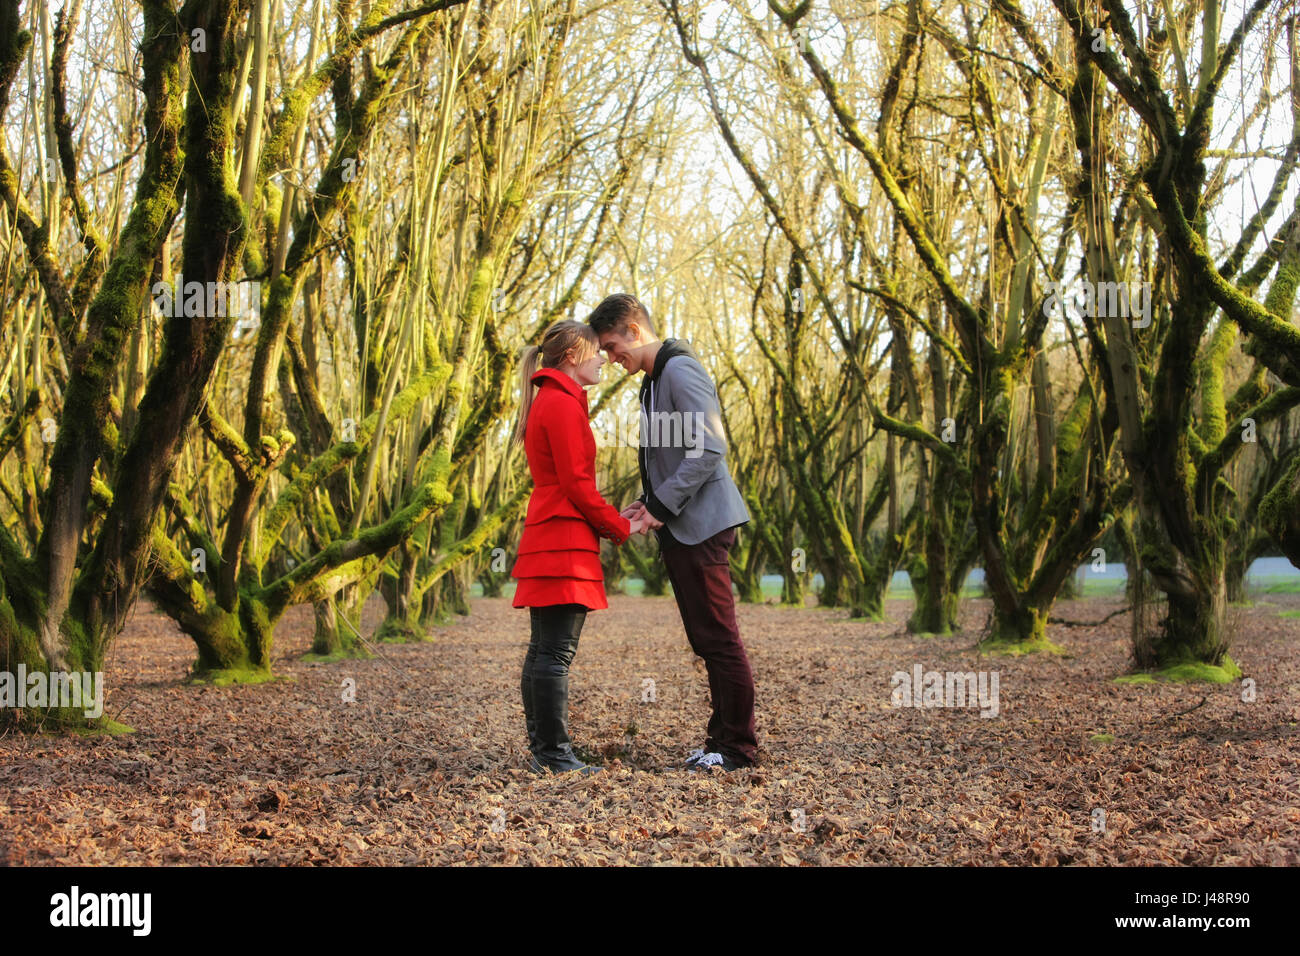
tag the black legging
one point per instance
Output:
(544, 682)
(555, 631)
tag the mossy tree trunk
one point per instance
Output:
(1254, 529)
(402, 620)
(1279, 512)
(746, 562)
(750, 466)
(759, 473)
(818, 445)
(327, 639)
(235, 645)
(648, 567)
(61, 604)
(771, 536)
(442, 586)
(939, 571)
(1194, 631)
(1176, 458)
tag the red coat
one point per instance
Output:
(559, 553)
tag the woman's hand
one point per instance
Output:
(635, 514)
(640, 519)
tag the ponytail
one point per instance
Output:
(527, 368)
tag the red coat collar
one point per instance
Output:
(565, 382)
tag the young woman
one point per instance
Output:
(558, 569)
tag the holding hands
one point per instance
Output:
(641, 519)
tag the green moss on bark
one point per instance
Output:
(1187, 672)
(1015, 635)
(1279, 512)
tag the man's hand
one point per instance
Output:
(641, 519)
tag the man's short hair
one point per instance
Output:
(615, 311)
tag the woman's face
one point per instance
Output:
(588, 372)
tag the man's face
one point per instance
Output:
(623, 348)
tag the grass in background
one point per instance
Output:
(1092, 588)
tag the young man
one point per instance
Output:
(695, 507)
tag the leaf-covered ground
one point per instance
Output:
(427, 766)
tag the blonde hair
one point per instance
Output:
(559, 342)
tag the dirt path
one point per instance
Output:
(427, 766)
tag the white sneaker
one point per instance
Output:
(694, 755)
(707, 762)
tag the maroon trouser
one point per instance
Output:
(701, 579)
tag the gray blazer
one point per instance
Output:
(691, 489)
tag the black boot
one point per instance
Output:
(526, 692)
(551, 706)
